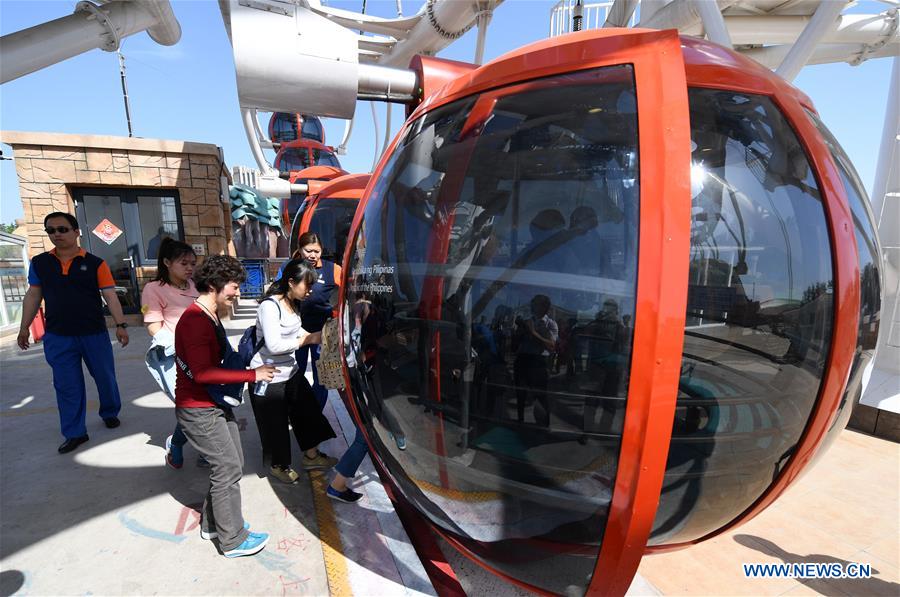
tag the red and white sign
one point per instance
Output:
(107, 231)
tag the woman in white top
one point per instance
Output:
(288, 398)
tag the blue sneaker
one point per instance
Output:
(254, 543)
(174, 455)
(348, 495)
(210, 535)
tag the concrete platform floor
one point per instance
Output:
(111, 519)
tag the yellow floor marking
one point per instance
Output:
(330, 537)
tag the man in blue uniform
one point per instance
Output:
(70, 281)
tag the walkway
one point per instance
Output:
(110, 518)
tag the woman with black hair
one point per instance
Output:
(200, 346)
(316, 309)
(162, 302)
(289, 397)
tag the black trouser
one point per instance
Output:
(291, 402)
(530, 375)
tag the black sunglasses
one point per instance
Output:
(60, 229)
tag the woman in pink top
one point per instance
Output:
(162, 303)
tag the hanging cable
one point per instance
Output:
(125, 91)
(387, 130)
(377, 135)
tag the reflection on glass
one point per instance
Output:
(869, 254)
(284, 127)
(117, 255)
(759, 314)
(158, 220)
(325, 158)
(295, 158)
(331, 221)
(491, 302)
(312, 129)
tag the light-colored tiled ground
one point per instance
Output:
(110, 519)
(846, 509)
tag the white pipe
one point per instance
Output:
(887, 158)
(648, 9)
(451, 18)
(483, 20)
(680, 14)
(853, 28)
(386, 84)
(348, 129)
(620, 13)
(713, 23)
(257, 151)
(377, 134)
(387, 130)
(772, 56)
(822, 21)
(30, 50)
(167, 30)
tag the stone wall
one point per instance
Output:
(48, 173)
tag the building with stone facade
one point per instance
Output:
(127, 194)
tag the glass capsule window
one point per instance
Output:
(293, 159)
(331, 220)
(759, 314)
(869, 255)
(490, 304)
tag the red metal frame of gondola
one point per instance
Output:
(739, 73)
(665, 66)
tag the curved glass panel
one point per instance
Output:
(759, 314)
(325, 158)
(312, 129)
(869, 253)
(490, 314)
(284, 127)
(293, 159)
(331, 221)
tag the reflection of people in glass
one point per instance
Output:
(153, 244)
(603, 342)
(535, 339)
(367, 329)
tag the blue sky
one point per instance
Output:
(188, 92)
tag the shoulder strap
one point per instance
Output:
(262, 341)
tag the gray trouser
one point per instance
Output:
(214, 433)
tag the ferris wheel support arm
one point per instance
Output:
(823, 21)
(92, 26)
(620, 13)
(883, 390)
(247, 116)
(681, 14)
(772, 56)
(444, 22)
(713, 22)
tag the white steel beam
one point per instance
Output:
(772, 56)
(713, 23)
(855, 28)
(89, 28)
(824, 20)
(680, 14)
(620, 13)
(883, 389)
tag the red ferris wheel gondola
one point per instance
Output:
(608, 288)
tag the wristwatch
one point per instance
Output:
(122, 325)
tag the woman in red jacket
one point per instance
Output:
(200, 343)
